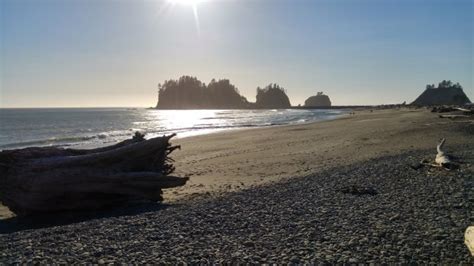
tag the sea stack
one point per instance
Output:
(272, 97)
(319, 100)
(447, 93)
(190, 93)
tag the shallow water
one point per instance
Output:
(94, 127)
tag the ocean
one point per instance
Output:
(95, 127)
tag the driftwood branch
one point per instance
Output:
(469, 239)
(464, 110)
(55, 179)
(453, 116)
(442, 160)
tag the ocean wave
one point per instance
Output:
(47, 142)
(94, 130)
(65, 140)
(220, 118)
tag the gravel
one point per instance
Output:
(415, 216)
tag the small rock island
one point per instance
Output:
(272, 97)
(190, 93)
(447, 93)
(319, 100)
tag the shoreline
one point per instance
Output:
(233, 160)
(283, 194)
(241, 129)
(88, 141)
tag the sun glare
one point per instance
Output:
(186, 2)
(193, 4)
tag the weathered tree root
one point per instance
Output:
(469, 239)
(442, 160)
(55, 179)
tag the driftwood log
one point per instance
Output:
(469, 239)
(47, 179)
(442, 160)
(453, 116)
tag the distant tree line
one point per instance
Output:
(445, 84)
(190, 93)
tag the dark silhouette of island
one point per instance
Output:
(190, 93)
(273, 97)
(319, 100)
(447, 93)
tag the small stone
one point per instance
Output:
(249, 244)
(353, 260)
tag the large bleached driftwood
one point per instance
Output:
(55, 179)
(469, 239)
(453, 116)
(441, 158)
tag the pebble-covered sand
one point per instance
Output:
(415, 216)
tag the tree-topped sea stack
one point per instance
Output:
(272, 97)
(190, 93)
(447, 93)
(319, 100)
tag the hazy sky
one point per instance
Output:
(113, 53)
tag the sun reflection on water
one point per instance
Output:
(185, 120)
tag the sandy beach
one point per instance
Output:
(279, 194)
(240, 159)
(235, 160)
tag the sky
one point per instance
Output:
(104, 53)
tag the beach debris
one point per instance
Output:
(453, 116)
(469, 239)
(455, 112)
(442, 109)
(442, 160)
(466, 111)
(47, 179)
(358, 190)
